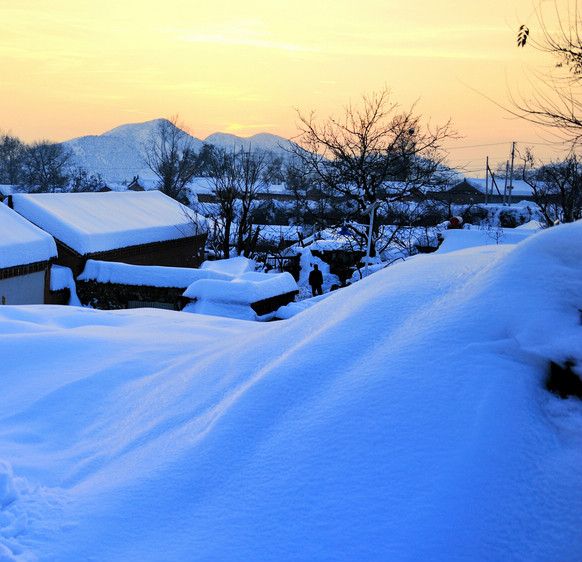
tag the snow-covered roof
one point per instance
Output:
(98, 222)
(22, 243)
(231, 267)
(520, 188)
(247, 288)
(276, 232)
(145, 275)
(240, 287)
(204, 185)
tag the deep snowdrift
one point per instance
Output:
(402, 418)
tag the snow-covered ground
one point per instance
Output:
(402, 418)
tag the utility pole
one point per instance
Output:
(487, 180)
(511, 172)
(493, 181)
(505, 184)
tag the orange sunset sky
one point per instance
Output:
(71, 68)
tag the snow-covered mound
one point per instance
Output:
(402, 418)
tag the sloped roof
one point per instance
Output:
(520, 188)
(22, 243)
(99, 222)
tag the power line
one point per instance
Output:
(553, 144)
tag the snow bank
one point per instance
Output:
(98, 222)
(150, 275)
(402, 418)
(22, 243)
(531, 225)
(472, 237)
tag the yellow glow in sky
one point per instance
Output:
(72, 67)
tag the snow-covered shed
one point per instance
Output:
(142, 228)
(25, 255)
(240, 292)
(115, 285)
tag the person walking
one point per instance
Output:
(316, 281)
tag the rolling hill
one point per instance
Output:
(119, 154)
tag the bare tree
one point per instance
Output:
(556, 187)
(170, 154)
(45, 167)
(12, 152)
(222, 171)
(81, 181)
(236, 178)
(556, 99)
(251, 169)
(376, 152)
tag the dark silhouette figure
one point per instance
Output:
(316, 281)
(563, 380)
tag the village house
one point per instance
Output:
(141, 228)
(26, 253)
(113, 285)
(473, 190)
(225, 287)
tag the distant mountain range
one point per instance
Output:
(119, 154)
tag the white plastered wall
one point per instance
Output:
(24, 289)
